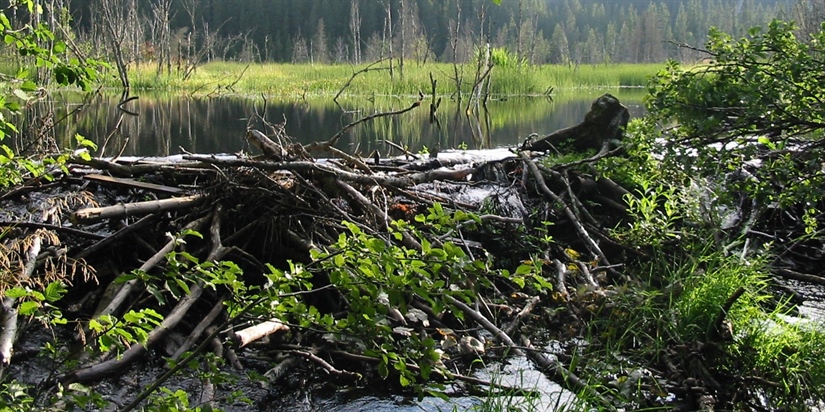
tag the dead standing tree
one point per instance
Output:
(199, 42)
(162, 33)
(121, 32)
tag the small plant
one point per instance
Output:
(655, 212)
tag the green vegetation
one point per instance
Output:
(290, 80)
(693, 306)
(45, 53)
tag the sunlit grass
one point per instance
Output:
(288, 80)
(678, 305)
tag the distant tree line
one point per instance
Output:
(183, 33)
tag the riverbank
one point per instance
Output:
(290, 80)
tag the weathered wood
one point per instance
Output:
(602, 128)
(246, 336)
(9, 318)
(270, 149)
(120, 291)
(134, 183)
(396, 181)
(552, 368)
(96, 214)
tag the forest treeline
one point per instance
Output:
(354, 31)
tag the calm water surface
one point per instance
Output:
(163, 124)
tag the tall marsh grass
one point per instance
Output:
(289, 80)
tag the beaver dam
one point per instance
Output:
(230, 281)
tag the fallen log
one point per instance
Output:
(96, 214)
(248, 335)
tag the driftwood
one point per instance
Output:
(134, 184)
(96, 214)
(331, 171)
(170, 321)
(248, 335)
(272, 150)
(601, 129)
(556, 371)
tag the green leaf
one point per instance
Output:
(28, 307)
(16, 293)
(183, 285)
(524, 269)
(28, 86)
(55, 291)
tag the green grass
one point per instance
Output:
(289, 80)
(674, 311)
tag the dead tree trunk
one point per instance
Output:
(602, 128)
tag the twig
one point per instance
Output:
(110, 307)
(526, 310)
(325, 365)
(717, 332)
(202, 326)
(443, 372)
(561, 273)
(170, 321)
(55, 228)
(334, 139)
(144, 221)
(580, 230)
(354, 75)
(401, 149)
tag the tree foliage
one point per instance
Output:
(756, 108)
(40, 49)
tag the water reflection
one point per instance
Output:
(167, 124)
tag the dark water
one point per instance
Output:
(162, 124)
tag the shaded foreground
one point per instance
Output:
(399, 272)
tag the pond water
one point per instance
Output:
(162, 125)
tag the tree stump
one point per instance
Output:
(601, 129)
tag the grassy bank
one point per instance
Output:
(305, 79)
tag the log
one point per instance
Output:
(134, 183)
(395, 181)
(121, 233)
(246, 336)
(96, 214)
(602, 128)
(270, 149)
(9, 319)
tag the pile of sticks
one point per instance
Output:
(280, 206)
